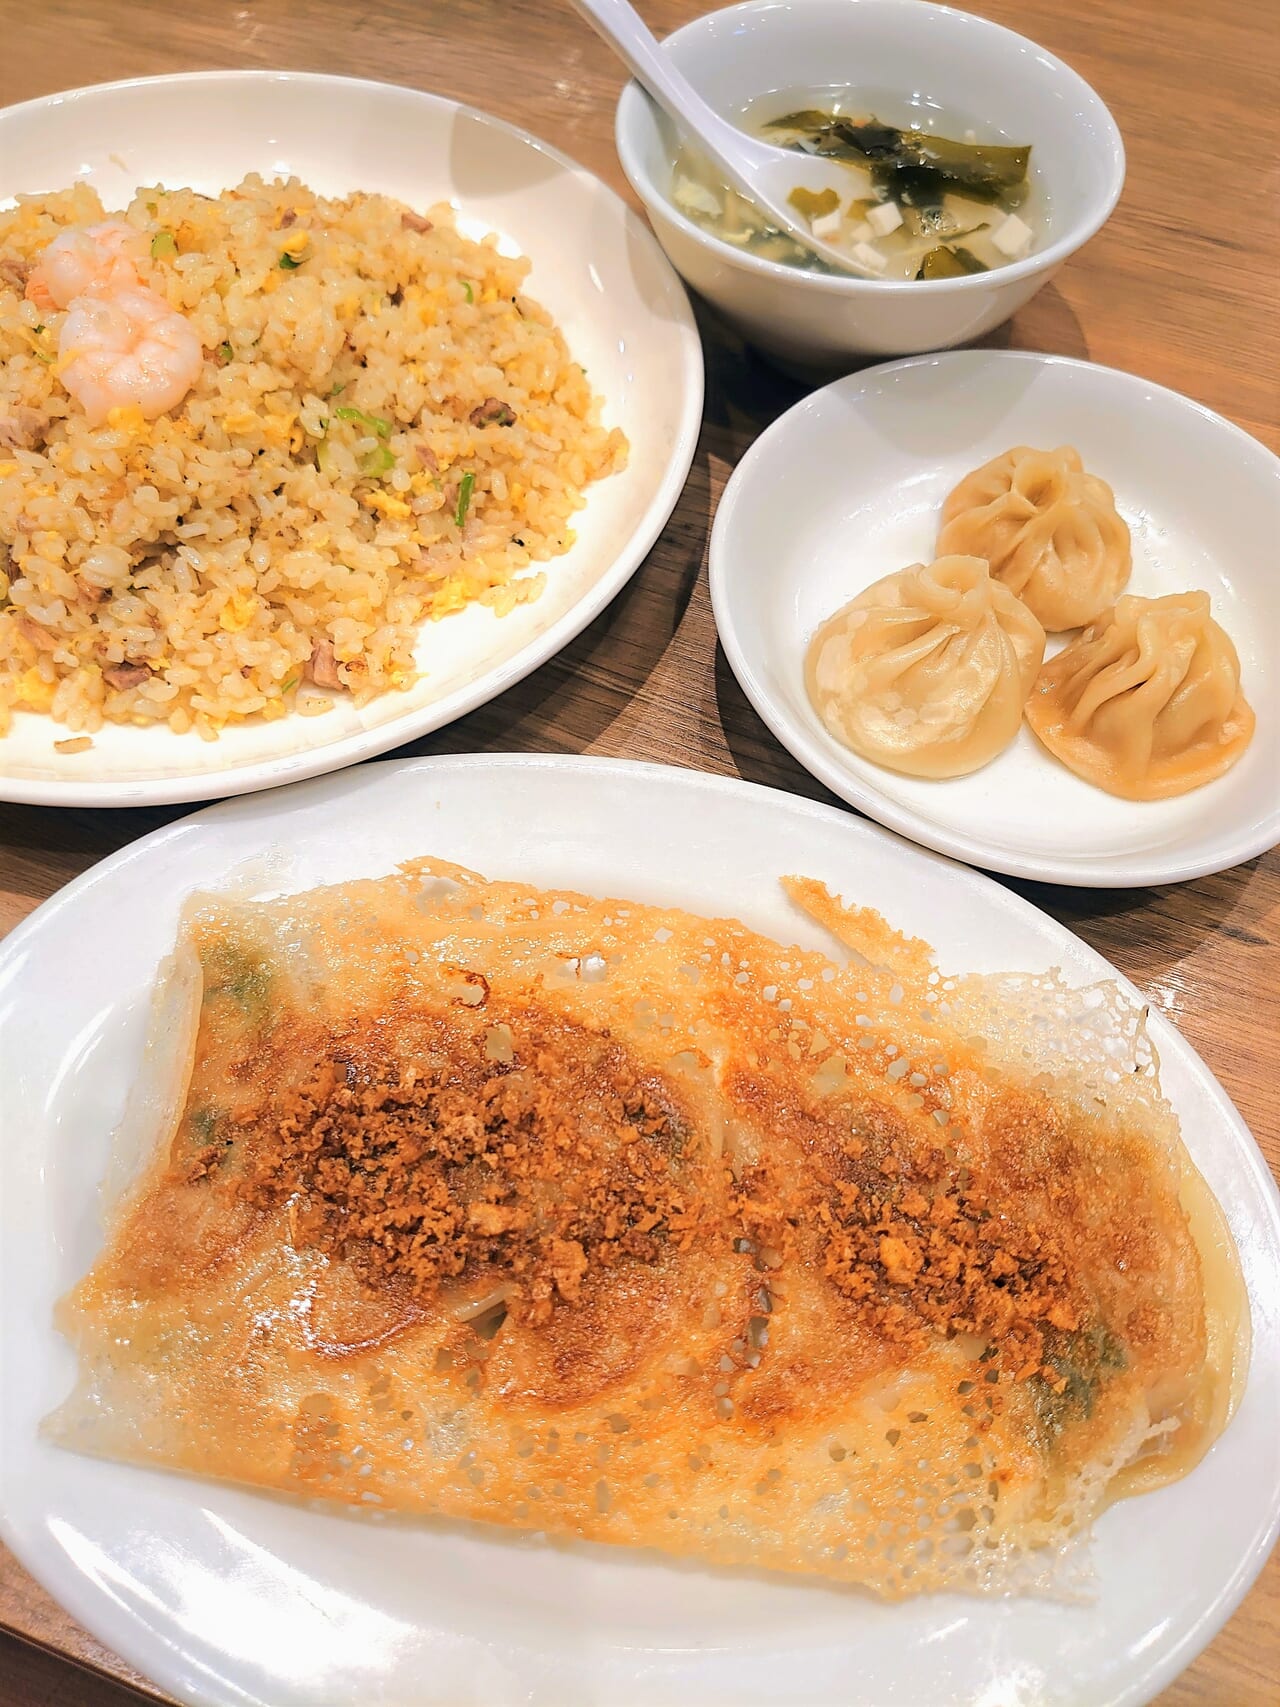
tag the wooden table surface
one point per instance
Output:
(1183, 287)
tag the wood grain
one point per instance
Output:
(1188, 301)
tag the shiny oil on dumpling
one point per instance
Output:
(1050, 532)
(927, 671)
(1146, 703)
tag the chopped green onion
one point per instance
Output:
(940, 263)
(225, 351)
(947, 262)
(204, 1122)
(378, 462)
(465, 490)
(291, 681)
(338, 389)
(324, 457)
(813, 204)
(289, 264)
(378, 423)
(163, 243)
(41, 355)
(466, 285)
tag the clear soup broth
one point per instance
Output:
(930, 194)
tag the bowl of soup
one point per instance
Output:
(977, 165)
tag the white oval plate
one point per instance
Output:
(848, 486)
(226, 1597)
(596, 268)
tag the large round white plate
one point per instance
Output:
(228, 1597)
(596, 268)
(848, 486)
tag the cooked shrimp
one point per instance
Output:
(98, 258)
(129, 348)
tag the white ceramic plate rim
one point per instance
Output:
(849, 284)
(156, 1649)
(1140, 869)
(324, 756)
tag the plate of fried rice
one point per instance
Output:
(328, 410)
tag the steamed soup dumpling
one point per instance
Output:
(927, 671)
(1050, 532)
(1146, 703)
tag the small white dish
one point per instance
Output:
(596, 269)
(848, 486)
(228, 1598)
(947, 66)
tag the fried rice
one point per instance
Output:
(385, 429)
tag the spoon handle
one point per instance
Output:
(639, 50)
(746, 165)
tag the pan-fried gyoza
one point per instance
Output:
(622, 1224)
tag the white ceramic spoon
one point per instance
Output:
(765, 175)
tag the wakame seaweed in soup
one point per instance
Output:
(920, 206)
